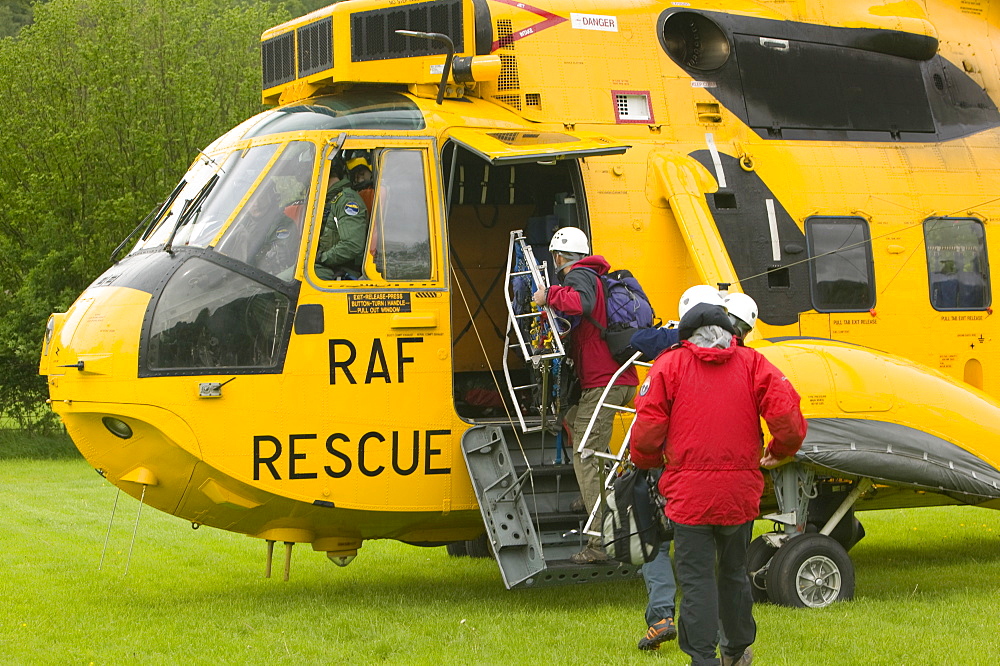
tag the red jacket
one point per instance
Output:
(582, 294)
(698, 416)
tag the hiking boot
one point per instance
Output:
(588, 556)
(745, 660)
(661, 632)
(577, 505)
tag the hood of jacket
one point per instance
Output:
(594, 262)
(711, 354)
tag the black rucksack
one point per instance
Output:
(628, 309)
(634, 526)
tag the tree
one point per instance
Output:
(103, 104)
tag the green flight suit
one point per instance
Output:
(345, 228)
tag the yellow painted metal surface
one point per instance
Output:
(356, 435)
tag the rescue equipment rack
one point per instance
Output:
(534, 328)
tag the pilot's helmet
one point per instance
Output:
(355, 162)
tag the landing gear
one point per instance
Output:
(478, 547)
(759, 555)
(811, 570)
(806, 564)
(457, 549)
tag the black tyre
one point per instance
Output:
(811, 570)
(759, 554)
(479, 547)
(457, 549)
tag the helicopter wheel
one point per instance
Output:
(811, 570)
(759, 554)
(479, 547)
(457, 549)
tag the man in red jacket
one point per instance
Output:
(698, 416)
(583, 294)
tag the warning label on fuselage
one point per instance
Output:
(378, 303)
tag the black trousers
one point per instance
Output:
(712, 575)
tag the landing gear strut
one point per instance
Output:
(794, 568)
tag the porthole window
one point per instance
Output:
(840, 264)
(957, 270)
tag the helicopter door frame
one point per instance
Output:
(519, 146)
(438, 279)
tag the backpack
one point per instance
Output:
(628, 310)
(634, 526)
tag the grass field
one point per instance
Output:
(928, 592)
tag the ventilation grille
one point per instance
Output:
(373, 33)
(277, 60)
(532, 99)
(315, 47)
(508, 73)
(509, 100)
(505, 34)
(632, 107)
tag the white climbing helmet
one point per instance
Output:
(742, 307)
(700, 293)
(569, 239)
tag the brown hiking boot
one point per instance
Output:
(589, 556)
(745, 660)
(661, 632)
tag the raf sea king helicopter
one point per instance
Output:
(835, 160)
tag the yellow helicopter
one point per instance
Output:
(836, 160)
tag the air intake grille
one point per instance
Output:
(277, 60)
(315, 47)
(509, 79)
(509, 100)
(505, 33)
(373, 33)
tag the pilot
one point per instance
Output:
(345, 226)
(361, 179)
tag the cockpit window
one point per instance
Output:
(237, 175)
(210, 317)
(400, 238)
(267, 229)
(196, 179)
(375, 110)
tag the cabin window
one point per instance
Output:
(957, 269)
(840, 264)
(399, 246)
(267, 230)
(211, 317)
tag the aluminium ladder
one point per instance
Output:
(533, 329)
(615, 458)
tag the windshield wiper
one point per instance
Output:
(151, 219)
(190, 206)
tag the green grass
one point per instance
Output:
(16, 444)
(927, 593)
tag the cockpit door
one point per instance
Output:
(519, 146)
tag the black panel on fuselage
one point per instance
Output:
(780, 287)
(799, 81)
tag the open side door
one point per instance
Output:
(517, 146)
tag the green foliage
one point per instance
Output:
(103, 104)
(926, 594)
(14, 15)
